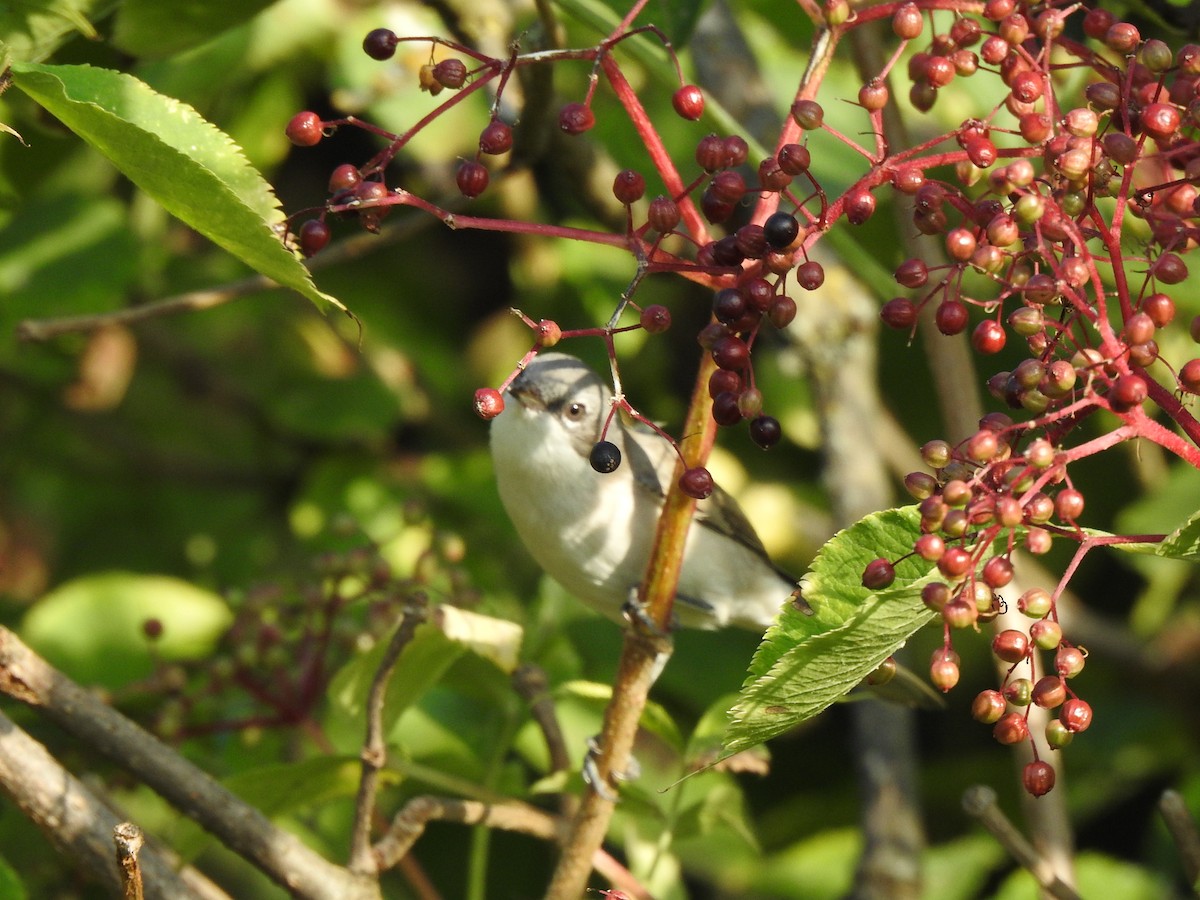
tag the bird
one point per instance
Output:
(592, 531)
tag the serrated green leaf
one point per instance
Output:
(1184, 542)
(92, 627)
(158, 28)
(807, 662)
(184, 162)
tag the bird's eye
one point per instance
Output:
(576, 411)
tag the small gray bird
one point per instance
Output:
(593, 532)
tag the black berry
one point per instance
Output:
(780, 229)
(605, 457)
(380, 43)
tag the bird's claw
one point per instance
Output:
(592, 777)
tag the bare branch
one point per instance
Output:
(980, 803)
(281, 856)
(73, 818)
(374, 752)
(1183, 831)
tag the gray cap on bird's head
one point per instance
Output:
(565, 388)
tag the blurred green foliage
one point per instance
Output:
(223, 465)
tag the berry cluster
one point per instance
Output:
(1064, 222)
(274, 664)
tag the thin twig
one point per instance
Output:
(374, 751)
(530, 682)
(979, 802)
(128, 840)
(1184, 833)
(196, 301)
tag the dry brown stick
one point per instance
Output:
(73, 818)
(1183, 831)
(374, 751)
(281, 856)
(530, 682)
(980, 803)
(128, 840)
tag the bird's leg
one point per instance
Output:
(591, 772)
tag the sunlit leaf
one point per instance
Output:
(806, 662)
(92, 627)
(172, 153)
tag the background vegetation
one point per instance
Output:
(271, 481)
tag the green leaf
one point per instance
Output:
(92, 627)
(1184, 542)
(172, 153)
(11, 886)
(158, 28)
(424, 660)
(806, 662)
(678, 19)
(301, 785)
(33, 29)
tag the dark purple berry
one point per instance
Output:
(576, 118)
(765, 431)
(313, 236)
(496, 138)
(380, 43)
(605, 457)
(696, 482)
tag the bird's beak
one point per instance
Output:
(526, 392)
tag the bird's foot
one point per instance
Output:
(592, 777)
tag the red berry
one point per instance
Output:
(663, 214)
(907, 21)
(710, 153)
(944, 674)
(912, 273)
(472, 179)
(899, 313)
(1189, 376)
(1049, 692)
(1011, 728)
(736, 150)
(656, 318)
(731, 352)
(1038, 777)
(794, 159)
(344, 178)
(305, 129)
(1127, 392)
(1069, 661)
(629, 186)
(781, 311)
(950, 317)
(860, 206)
(810, 275)
(1076, 715)
(988, 707)
(873, 95)
(380, 43)
(728, 186)
(313, 236)
(1160, 120)
(878, 574)
(997, 572)
(576, 118)
(696, 483)
(689, 102)
(1010, 645)
(450, 73)
(988, 337)
(489, 403)
(496, 138)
